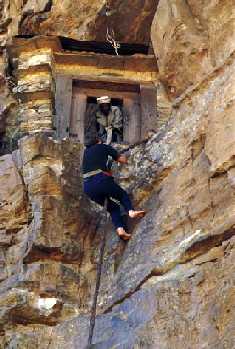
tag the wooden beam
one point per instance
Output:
(77, 122)
(108, 85)
(20, 44)
(63, 100)
(148, 96)
(102, 92)
(106, 78)
(132, 120)
(138, 63)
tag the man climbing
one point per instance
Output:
(99, 183)
(109, 121)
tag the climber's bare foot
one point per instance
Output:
(122, 234)
(136, 214)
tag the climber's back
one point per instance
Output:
(96, 157)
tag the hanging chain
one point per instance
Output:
(110, 35)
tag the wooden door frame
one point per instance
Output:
(66, 117)
(63, 99)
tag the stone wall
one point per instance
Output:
(32, 62)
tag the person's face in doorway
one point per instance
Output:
(105, 108)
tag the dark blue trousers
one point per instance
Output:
(101, 187)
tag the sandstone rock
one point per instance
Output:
(7, 101)
(55, 230)
(187, 205)
(185, 38)
(32, 6)
(83, 21)
(13, 209)
(164, 106)
(28, 60)
(14, 216)
(145, 319)
(88, 21)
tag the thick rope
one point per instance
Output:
(98, 280)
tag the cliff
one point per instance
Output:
(172, 284)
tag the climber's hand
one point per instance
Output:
(127, 153)
(122, 159)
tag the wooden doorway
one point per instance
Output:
(125, 96)
(75, 110)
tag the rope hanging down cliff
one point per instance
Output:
(98, 278)
(110, 35)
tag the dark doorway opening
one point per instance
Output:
(114, 101)
(93, 127)
(126, 49)
(137, 101)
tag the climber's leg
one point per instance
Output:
(93, 189)
(96, 189)
(115, 212)
(114, 209)
(93, 194)
(114, 191)
(100, 187)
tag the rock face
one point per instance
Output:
(173, 284)
(85, 20)
(43, 219)
(191, 40)
(8, 103)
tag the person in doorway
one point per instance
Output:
(109, 121)
(100, 186)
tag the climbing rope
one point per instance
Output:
(98, 279)
(110, 35)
